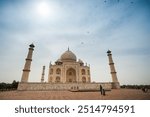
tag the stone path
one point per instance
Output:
(119, 94)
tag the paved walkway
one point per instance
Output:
(119, 94)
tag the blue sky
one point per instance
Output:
(88, 27)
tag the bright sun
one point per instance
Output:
(43, 9)
(47, 10)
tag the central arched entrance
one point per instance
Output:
(71, 75)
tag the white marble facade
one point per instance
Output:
(67, 73)
(68, 70)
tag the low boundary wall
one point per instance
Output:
(36, 86)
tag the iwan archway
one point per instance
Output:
(71, 75)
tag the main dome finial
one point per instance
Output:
(68, 48)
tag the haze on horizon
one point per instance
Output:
(88, 27)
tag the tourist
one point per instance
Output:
(144, 89)
(103, 92)
(101, 89)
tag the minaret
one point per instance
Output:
(49, 72)
(43, 73)
(26, 70)
(115, 83)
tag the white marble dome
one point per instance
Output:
(68, 56)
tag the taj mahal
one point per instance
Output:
(68, 70)
(67, 73)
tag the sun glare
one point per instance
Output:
(47, 10)
(44, 9)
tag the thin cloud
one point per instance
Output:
(88, 27)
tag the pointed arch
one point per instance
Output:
(51, 71)
(83, 79)
(71, 75)
(58, 71)
(83, 71)
(57, 80)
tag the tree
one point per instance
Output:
(14, 84)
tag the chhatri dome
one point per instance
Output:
(68, 56)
